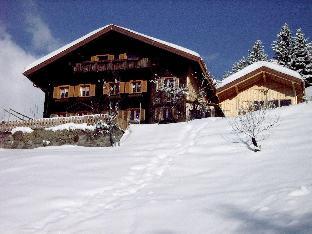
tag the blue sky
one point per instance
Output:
(221, 31)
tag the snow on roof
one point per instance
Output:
(65, 47)
(255, 66)
(164, 42)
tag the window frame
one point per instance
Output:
(66, 93)
(135, 115)
(135, 85)
(85, 93)
(112, 90)
(288, 102)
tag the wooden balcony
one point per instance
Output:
(103, 66)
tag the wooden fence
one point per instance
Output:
(51, 122)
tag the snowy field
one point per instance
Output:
(165, 179)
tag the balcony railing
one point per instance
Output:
(102, 66)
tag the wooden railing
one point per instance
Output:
(102, 66)
(51, 122)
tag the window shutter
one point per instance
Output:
(128, 113)
(122, 87)
(160, 83)
(161, 114)
(110, 57)
(106, 88)
(123, 56)
(94, 58)
(142, 115)
(77, 91)
(144, 86)
(92, 90)
(71, 91)
(56, 92)
(129, 87)
(176, 82)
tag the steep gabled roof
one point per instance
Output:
(55, 55)
(241, 75)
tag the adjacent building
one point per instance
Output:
(115, 68)
(260, 83)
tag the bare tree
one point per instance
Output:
(253, 124)
(170, 94)
(109, 125)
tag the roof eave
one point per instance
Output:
(116, 28)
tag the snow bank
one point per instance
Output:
(256, 66)
(67, 46)
(22, 129)
(190, 177)
(72, 126)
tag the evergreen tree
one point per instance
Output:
(242, 63)
(256, 53)
(301, 56)
(283, 47)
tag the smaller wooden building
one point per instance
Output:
(260, 83)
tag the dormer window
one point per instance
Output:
(64, 92)
(85, 91)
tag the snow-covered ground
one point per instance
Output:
(165, 179)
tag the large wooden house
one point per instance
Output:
(115, 66)
(258, 84)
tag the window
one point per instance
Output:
(64, 92)
(258, 104)
(167, 113)
(85, 91)
(114, 88)
(273, 103)
(135, 115)
(285, 102)
(106, 57)
(169, 83)
(136, 87)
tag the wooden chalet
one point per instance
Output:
(260, 83)
(115, 66)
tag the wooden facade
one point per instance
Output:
(261, 86)
(115, 66)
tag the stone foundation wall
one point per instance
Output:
(42, 138)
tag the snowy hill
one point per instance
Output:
(178, 178)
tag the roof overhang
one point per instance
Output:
(262, 70)
(50, 58)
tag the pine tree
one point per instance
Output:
(283, 47)
(301, 56)
(256, 53)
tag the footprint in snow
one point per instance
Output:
(299, 192)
